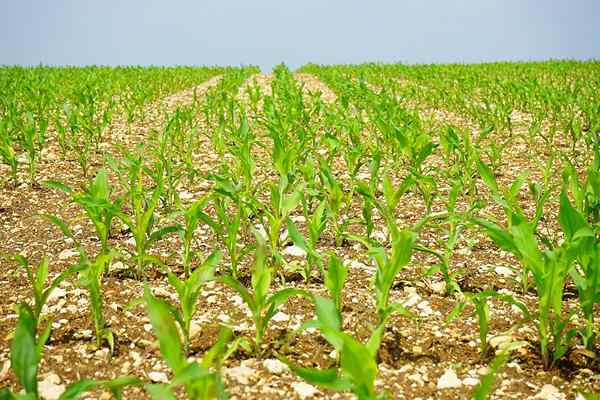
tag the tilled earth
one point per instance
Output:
(420, 357)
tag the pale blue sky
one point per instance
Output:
(264, 33)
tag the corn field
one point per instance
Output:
(374, 231)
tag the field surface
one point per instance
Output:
(369, 231)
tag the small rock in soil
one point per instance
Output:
(274, 366)
(50, 388)
(242, 374)
(294, 251)
(304, 390)
(550, 392)
(470, 381)
(449, 380)
(57, 294)
(157, 376)
(504, 271)
(66, 254)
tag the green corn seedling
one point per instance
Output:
(316, 225)
(7, 151)
(142, 221)
(335, 278)
(369, 192)
(388, 267)
(97, 203)
(228, 225)
(188, 291)
(277, 213)
(262, 306)
(358, 365)
(392, 197)
(26, 353)
(581, 237)
(192, 217)
(90, 277)
(335, 200)
(550, 270)
(483, 390)
(454, 223)
(33, 140)
(481, 311)
(38, 280)
(197, 379)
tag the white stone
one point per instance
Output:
(57, 294)
(224, 318)
(425, 308)
(416, 378)
(549, 392)
(304, 390)
(469, 381)
(281, 317)
(274, 366)
(381, 236)
(294, 251)
(438, 287)
(449, 380)
(195, 329)
(185, 195)
(4, 370)
(504, 271)
(411, 300)
(284, 235)
(50, 388)
(501, 342)
(68, 253)
(117, 266)
(242, 374)
(157, 376)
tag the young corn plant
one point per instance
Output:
(262, 306)
(199, 382)
(586, 194)
(453, 224)
(7, 150)
(142, 221)
(98, 204)
(388, 267)
(369, 192)
(26, 351)
(481, 311)
(40, 290)
(335, 196)
(188, 290)
(33, 140)
(508, 199)
(228, 224)
(170, 170)
(316, 224)
(387, 207)
(582, 238)
(283, 202)
(358, 362)
(90, 277)
(193, 215)
(550, 270)
(485, 387)
(335, 278)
